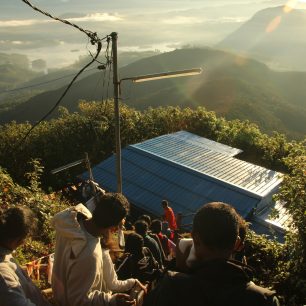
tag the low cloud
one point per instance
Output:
(180, 20)
(22, 22)
(96, 17)
(28, 44)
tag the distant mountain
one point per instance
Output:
(14, 70)
(276, 36)
(231, 85)
(18, 83)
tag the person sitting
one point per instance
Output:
(146, 218)
(141, 228)
(112, 284)
(77, 277)
(216, 279)
(16, 288)
(138, 261)
(186, 257)
(168, 245)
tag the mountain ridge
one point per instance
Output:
(235, 87)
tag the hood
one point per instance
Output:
(67, 226)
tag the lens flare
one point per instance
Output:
(273, 25)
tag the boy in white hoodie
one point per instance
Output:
(77, 278)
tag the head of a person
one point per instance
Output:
(164, 203)
(145, 218)
(134, 244)
(110, 210)
(141, 227)
(215, 231)
(156, 226)
(15, 225)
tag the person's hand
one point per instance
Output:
(142, 286)
(124, 300)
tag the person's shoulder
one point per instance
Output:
(172, 290)
(177, 280)
(264, 296)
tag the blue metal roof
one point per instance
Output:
(180, 168)
(213, 159)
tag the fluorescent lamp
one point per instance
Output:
(164, 75)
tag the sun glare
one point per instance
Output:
(294, 4)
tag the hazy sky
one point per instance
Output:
(141, 24)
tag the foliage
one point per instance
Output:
(275, 267)
(67, 138)
(44, 206)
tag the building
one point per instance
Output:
(189, 170)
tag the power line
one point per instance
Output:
(92, 35)
(94, 39)
(63, 94)
(42, 83)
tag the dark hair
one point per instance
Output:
(165, 203)
(110, 209)
(16, 223)
(145, 218)
(217, 225)
(134, 243)
(156, 226)
(141, 227)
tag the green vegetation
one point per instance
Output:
(63, 140)
(233, 86)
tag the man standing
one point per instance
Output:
(169, 215)
(77, 277)
(216, 279)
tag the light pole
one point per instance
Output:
(136, 79)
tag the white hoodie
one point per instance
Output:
(77, 278)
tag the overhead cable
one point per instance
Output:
(94, 39)
(39, 84)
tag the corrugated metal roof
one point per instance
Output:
(147, 180)
(180, 167)
(282, 220)
(183, 137)
(214, 160)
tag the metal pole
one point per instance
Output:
(116, 83)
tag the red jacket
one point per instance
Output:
(170, 218)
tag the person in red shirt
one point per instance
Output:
(169, 215)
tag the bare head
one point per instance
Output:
(164, 203)
(110, 210)
(215, 231)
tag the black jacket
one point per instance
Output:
(214, 283)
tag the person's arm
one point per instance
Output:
(111, 278)
(82, 278)
(11, 292)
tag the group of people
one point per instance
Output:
(205, 273)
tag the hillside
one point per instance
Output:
(276, 36)
(14, 70)
(233, 86)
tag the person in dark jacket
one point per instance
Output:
(138, 261)
(216, 280)
(141, 228)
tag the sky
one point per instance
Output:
(141, 25)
